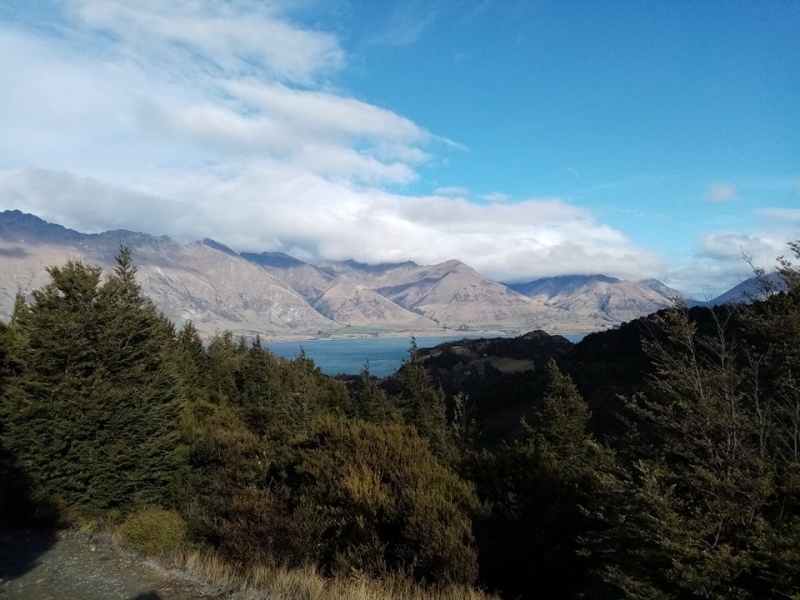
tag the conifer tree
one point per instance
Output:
(423, 405)
(224, 360)
(189, 361)
(463, 423)
(541, 495)
(371, 400)
(560, 432)
(13, 485)
(93, 412)
(694, 513)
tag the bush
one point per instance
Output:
(372, 498)
(153, 530)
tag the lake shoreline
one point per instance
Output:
(337, 336)
(348, 356)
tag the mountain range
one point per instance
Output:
(277, 295)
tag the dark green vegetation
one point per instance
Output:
(661, 460)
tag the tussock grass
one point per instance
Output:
(280, 583)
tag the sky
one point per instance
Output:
(526, 138)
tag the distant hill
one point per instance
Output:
(748, 290)
(661, 288)
(309, 281)
(279, 295)
(350, 303)
(597, 296)
(201, 281)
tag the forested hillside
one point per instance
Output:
(661, 460)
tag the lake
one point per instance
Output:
(385, 354)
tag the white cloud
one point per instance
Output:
(721, 192)
(281, 207)
(496, 197)
(406, 24)
(734, 246)
(161, 86)
(787, 216)
(90, 205)
(721, 258)
(235, 37)
(219, 119)
(326, 113)
(451, 190)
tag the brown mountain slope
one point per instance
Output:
(215, 289)
(299, 275)
(455, 295)
(596, 297)
(274, 293)
(349, 303)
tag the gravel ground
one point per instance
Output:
(67, 565)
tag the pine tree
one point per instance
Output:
(92, 414)
(541, 495)
(692, 516)
(189, 361)
(371, 400)
(560, 432)
(224, 358)
(423, 405)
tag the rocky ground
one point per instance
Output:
(67, 565)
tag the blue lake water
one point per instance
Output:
(385, 355)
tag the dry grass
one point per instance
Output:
(280, 583)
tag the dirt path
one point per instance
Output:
(68, 565)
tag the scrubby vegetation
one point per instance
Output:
(658, 461)
(153, 530)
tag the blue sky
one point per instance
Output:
(525, 138)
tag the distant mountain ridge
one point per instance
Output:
(596, 296)
(748, 290)
(276, 294)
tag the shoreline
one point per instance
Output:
(249, 330)
(276, 338)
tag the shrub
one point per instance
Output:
(153, 530)
(372, 498)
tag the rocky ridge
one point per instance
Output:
(597, 296)
(279, 295)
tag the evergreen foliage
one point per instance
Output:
(91, 412)
(371, 401)
(423, 405)
(188, 361)
(539, 493)
(699, 516)
(153, 530)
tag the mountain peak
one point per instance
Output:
(559, 284)
(661, 288)
(749, 290)
(278, 260)
(218, 246)
(18, 224)
(453, 263)
(211, 284)
(377, 267)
